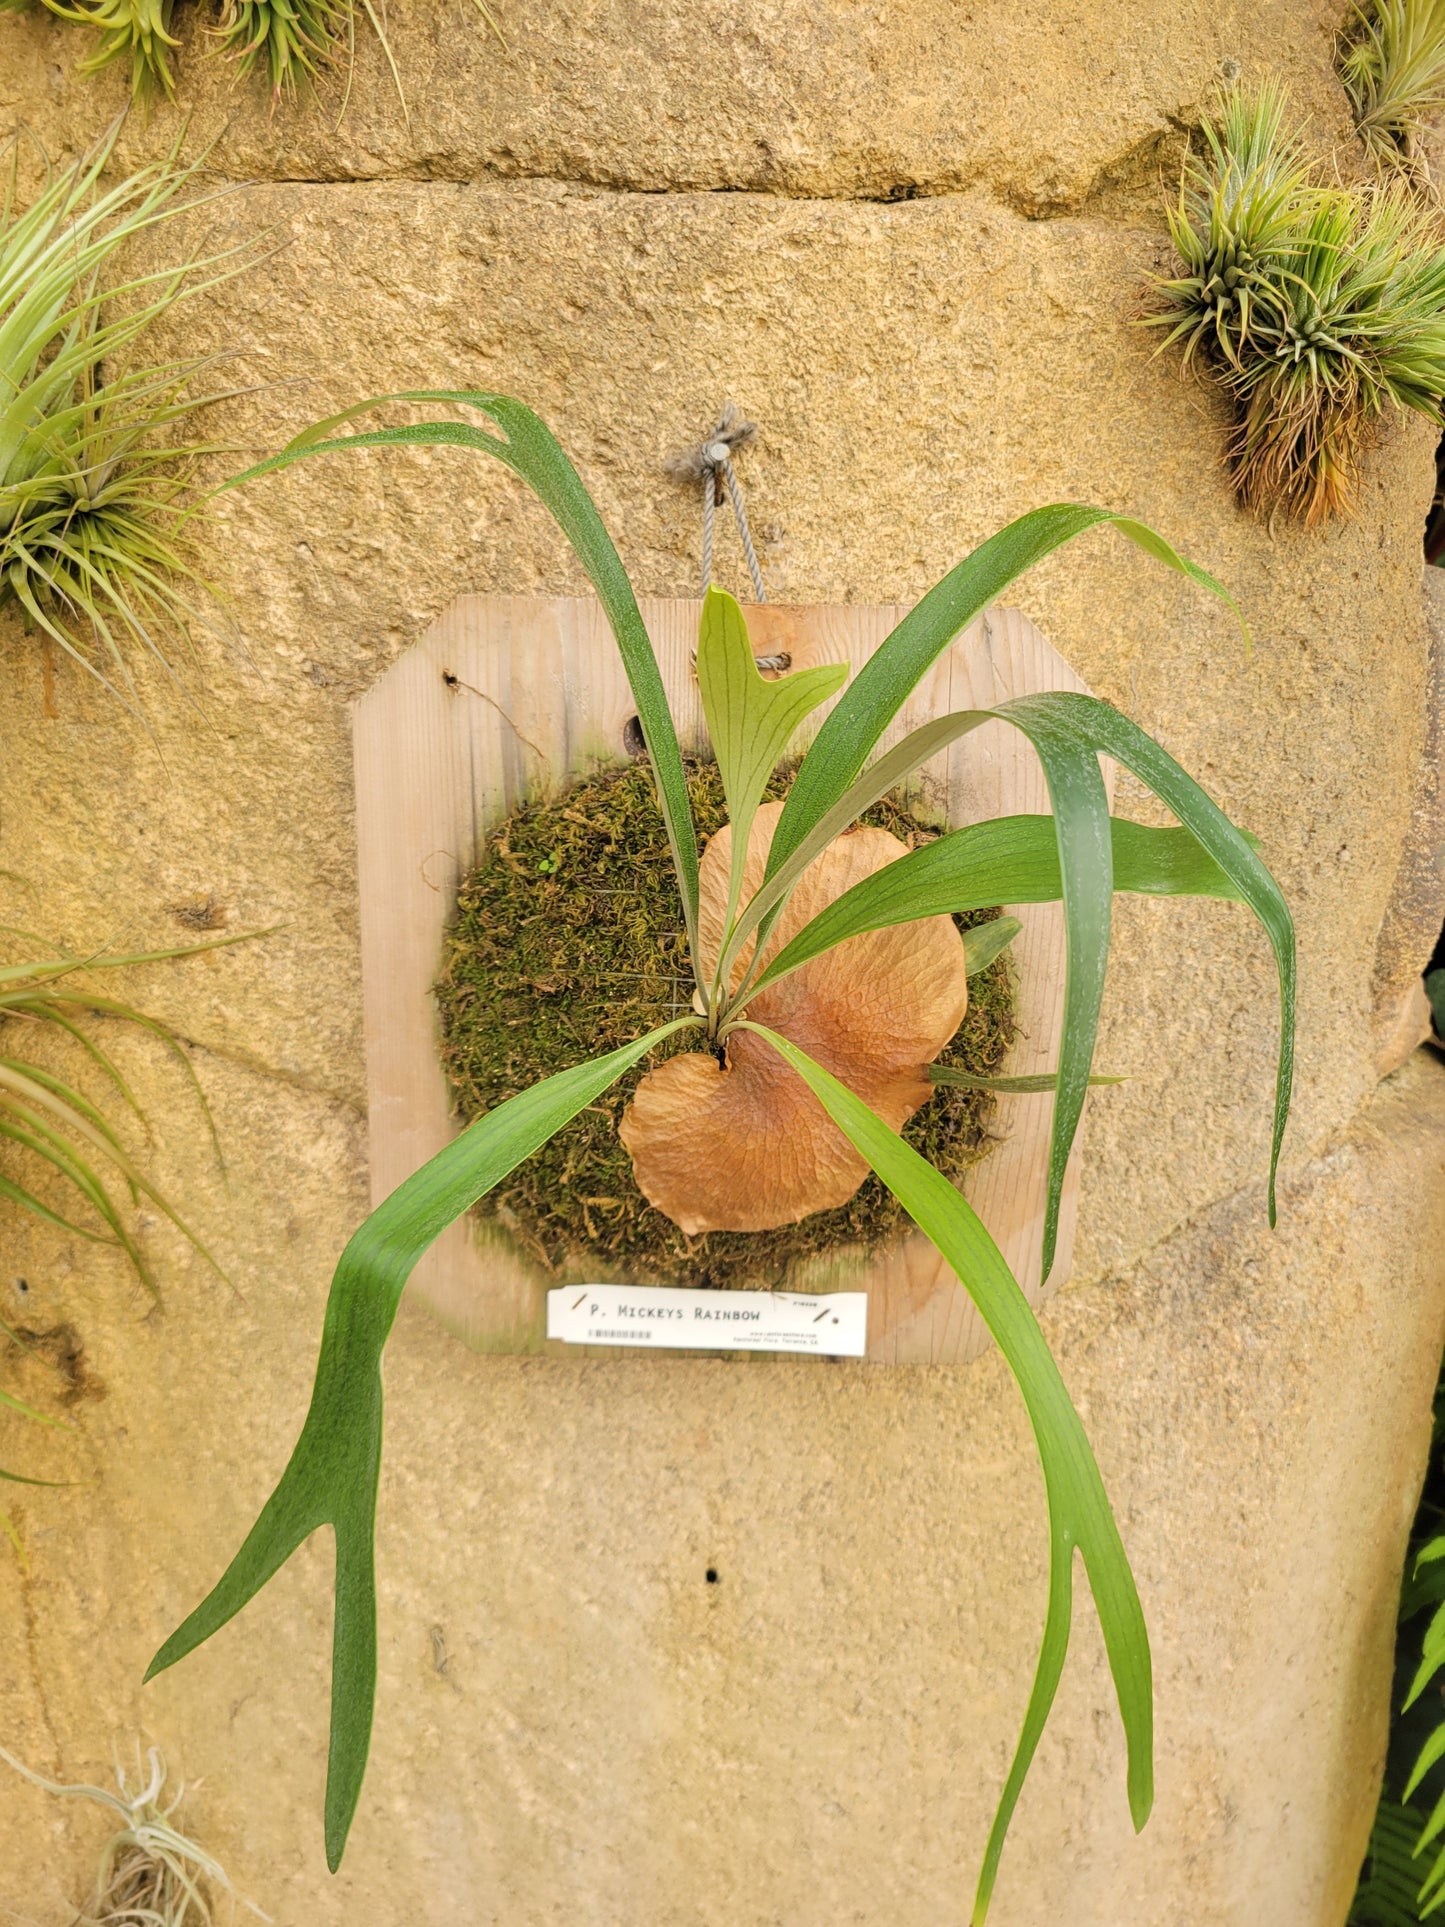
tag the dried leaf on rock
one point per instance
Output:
(746, 1146)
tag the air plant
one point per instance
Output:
(773, 912)
(1318, 308)
(49, 1126)
(137, 32)
(93, 499)
(292, 40)
(1232, 227)
(1392, 62)
(150, 1874)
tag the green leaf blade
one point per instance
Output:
(750, 719)
(884, 684)
(986, 942)
(1007, 860)
(1079, 1512)
(333, 1472)
(528, 447)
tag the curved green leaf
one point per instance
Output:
(1079, 1513)
(1112, 734)
(750, 719)
(883, 685)
(986, 941)
(331, 1477)
(533, 452)
(1068, 729)
(1009, 859)
(1430, 1752)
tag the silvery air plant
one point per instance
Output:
(828, 975)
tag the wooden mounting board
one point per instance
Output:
(504, 693)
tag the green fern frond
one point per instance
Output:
(1388, 1893)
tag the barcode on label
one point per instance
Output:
(642, 1336)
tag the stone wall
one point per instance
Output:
(910, 243)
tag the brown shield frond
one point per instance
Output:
(743, 1145)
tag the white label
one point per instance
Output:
(672, 1317)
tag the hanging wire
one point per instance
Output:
(711, 464)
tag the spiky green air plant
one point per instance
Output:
(1392, 62)
(137, 31)
(1233, 226)
(292, 40)
(1362, 330)
(50, 1129)
(1343, 317)
(743, 945)
(93, 463)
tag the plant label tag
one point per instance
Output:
(679, 1318)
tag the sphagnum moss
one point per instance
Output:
(566, 942)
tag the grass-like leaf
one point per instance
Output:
(886, 681)
(1080, 1518)
(332, 1474)
(528, 447)
(293, 42)
(53, 1125)
(135, 32)
(987, 941)
(1069, 730)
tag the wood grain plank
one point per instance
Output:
(506, 695)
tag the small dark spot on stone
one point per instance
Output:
(22, 1284)
(711, 1575)
(451, 680)
(207, 914)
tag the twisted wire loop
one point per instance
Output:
(711, 464)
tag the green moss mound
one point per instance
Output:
(567, 942)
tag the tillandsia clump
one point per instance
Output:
(1392, 62)
(570, 929)
(150, 1873)
(94, 503)
(1317, 307)
(826, 976)
(51, 1131)
(293, 42)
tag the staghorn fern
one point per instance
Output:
(1078, 855)
(1318, 308)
